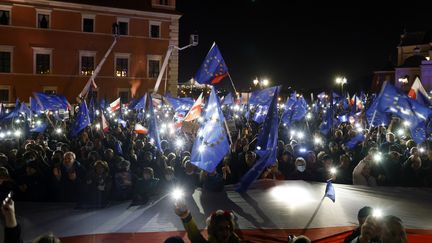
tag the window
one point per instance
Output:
(42, 60)
(88, 25)
(122, 65)
(123, 93)
(50, 90)
(123, 26)
(87, 62)
(4, 17)
(155, 29)
(4, 93)
(5, 62)
(153, 65)
(163, 2)
(43, 20)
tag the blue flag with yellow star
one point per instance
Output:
(213, 69)
(152, 123)
(211, 143)
(51, 102)
(82, 119)
(265, 148)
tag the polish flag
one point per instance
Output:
(115, 105)
(105, 126)
(140, 129)
(417, 87)
(195, 111)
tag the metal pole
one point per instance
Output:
(232, 83)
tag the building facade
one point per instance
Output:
(414, 55)
(55, 46)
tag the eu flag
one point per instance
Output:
(82, 119)
(330, 191)
(228, 100)
(265, 148)
(138, 104)
(180, 104)
(262, 97)
(39, 128)
(213, 69)
(51, 102)
(354, 141)
(211, 143)
(14, 113)
(92, 110)
(153, 127)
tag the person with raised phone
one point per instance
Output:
(220, 224)
(12, 231)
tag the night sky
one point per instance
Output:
(302, 45)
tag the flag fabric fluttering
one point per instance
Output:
(92, 110)
(39, 128)
(51, 102)
(330, 191)
(195, 111)
(115, 105)
(266, 146)
(228, 99)
(105, 125)
(140, 129)
(82, 119)
(418, 92)
(152, 124)
(355, 140)
(211, 143)
(213, 69)
(138, 104)
(261, 100)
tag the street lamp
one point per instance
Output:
(341, 81)
(255, 81)
(265, 82)
(260, 83)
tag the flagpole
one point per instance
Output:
(232, 83)
(313, 216)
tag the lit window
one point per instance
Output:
(43, 63)
(122, 66)
(87, 65)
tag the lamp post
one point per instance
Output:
(260, 83)
(341, 81)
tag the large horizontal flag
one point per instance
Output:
(266, 146)
(228, 99)
(211, 143)
(180, 104)
(213, 69)
(51, 101)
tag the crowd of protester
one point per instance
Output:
(95, 167)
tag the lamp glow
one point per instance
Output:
(400, 132)
(318, 140)
(406, 123)
(300, 135)
(308, 116)
(421, 150)
(17, 133)
(98, 126)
